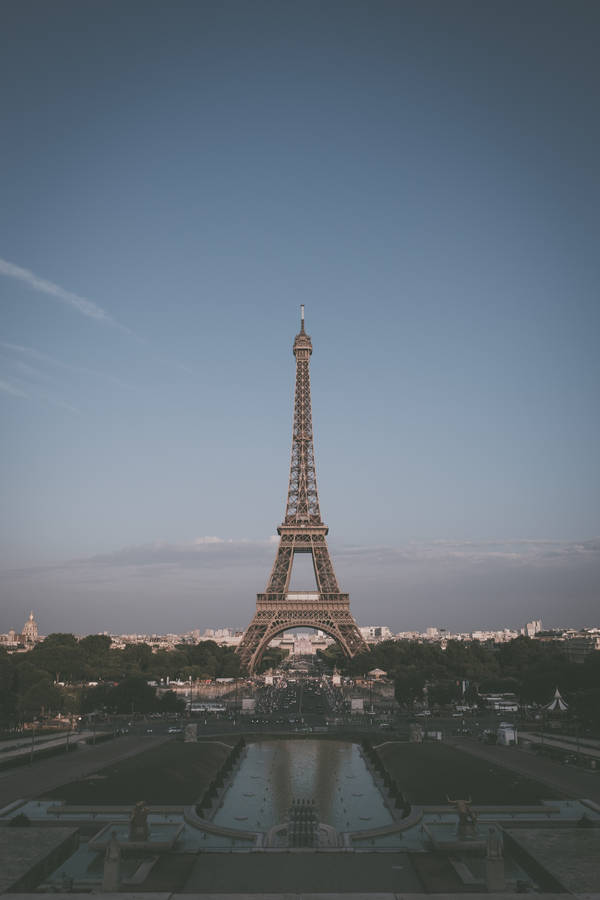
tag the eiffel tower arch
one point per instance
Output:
(302, 531)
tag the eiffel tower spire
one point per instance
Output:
(303, 498)
(302, 531)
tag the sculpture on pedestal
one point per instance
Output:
(138, 822)
(467, 818)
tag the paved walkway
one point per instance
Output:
(25, 782)
(568, 744)
(25, 746)
(573, 782)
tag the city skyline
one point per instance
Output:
(374, 633)
(425, 179)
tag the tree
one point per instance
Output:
(41, 698)
(204, 656)
(96, 649)
(169, 702)
(27, 674)
(333, 657)
(441, 693)
(168, 663)
(8, 688)
(96, 699)
(61, 656)
(271, 658)
(132, 695)
(409, 684)
(586, 707)
(229, 663)
(136, 659)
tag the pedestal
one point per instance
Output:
(111, 876)
(494, 875)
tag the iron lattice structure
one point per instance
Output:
(302, 531)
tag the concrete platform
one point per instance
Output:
(570, 855)
(27, 855)
(307, 872)
(290, 896)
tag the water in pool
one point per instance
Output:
(332, 773)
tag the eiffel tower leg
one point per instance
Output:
(281, 572)
(250, 643)
(326, 580)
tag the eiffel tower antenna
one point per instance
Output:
(302, 531)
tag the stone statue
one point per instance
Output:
(111, 876)
(467, 818)
(138, 822)
(494, 848)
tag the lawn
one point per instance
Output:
(426, 773)
(172, 774)
(178, 773)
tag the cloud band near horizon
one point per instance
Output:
(462, 585)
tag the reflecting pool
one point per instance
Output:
(332, 773)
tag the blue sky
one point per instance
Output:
(177, 179)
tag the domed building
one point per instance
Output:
(30, 630)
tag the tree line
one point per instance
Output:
(529, 668)
(33, 682)
(53, 676)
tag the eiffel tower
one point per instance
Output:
(302, 531)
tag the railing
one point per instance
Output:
(321, 601)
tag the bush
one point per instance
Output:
(20, 821)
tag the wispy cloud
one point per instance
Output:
(75, 301)
(207, 552)
(514, 552)
(62, 404)
(81, 304)
(210, 551)
(9, 388)
(31, 353)
(28, 371)
(16, 391)
(203, 552)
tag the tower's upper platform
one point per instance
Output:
(302, 340)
